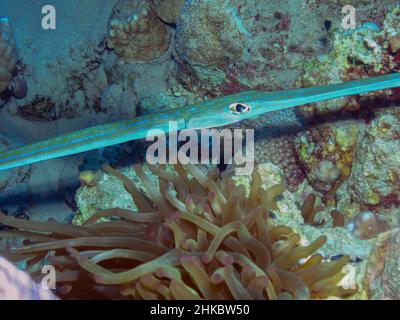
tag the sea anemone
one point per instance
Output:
(196, 236)
(309, 210)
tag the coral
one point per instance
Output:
(335, 155)
(135, 32)
(196, 235)
(375, 178)
(88, 178)
(366, 225)
(326, 152)
(168, 10)
(382, 278)
(366, 51)
(8, 54)
(358, 150)
(326, 172)
(361, 47)
(391, 24)
(245, 44)
(280, 151)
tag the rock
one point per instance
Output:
(382, 278)
(119, 103)
(107, 193)
(159, 102)
(136, 33)
(375, 178)
(355, 54)
(241, 44)
(19, 87)
(168, 10)
(111, 97)
(394, 43)
(366, 225)
(94, 84)
(128, 103)
(8, 53)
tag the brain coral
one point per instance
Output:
(8, 54)
(280, 151)
(136, 33)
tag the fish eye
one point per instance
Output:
(239, 108)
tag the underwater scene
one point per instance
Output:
(199, 149)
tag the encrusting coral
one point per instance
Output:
(196, 236)
(136, 33)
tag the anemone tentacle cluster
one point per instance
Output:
(197, 235)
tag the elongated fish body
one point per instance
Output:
(211, 113)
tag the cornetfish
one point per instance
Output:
(207, 114)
